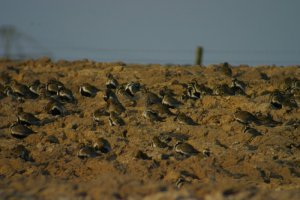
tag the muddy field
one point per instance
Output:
(233, 156)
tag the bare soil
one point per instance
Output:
(239, 166)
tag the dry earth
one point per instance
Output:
(239, 166)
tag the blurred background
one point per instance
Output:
(253, 32)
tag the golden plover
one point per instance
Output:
(27, 118)
(185, 149)
(111, 82)
(87, 152)
(132, 87)
(88, 90)
(102, 145)
(171, 102)
(152, 116)
(115, 119)
(156, 142)
(184, 119)
(20, 131)
(244, 117)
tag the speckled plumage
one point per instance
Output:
(184, 119)
(102, 145)
(170, 101)
(20, 131)
(156, 142)
(115, 119)
(88, 90)
(86, 152)
(244, 117)
(27, 118)
(251, 131)
(55, 108)
(152, 116)
(185, 149)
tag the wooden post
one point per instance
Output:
(199, 53)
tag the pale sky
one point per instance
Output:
(158, 31)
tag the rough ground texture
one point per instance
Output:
(239, 166)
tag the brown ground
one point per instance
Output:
(268, 167)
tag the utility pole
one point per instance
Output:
(7, 34)
(13, 41)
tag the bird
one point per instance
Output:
(27, 118)
(264, 76)
(111, 82)
(292, 83)
(266, 120)
(21, 152)
(125, 97)
(223, 89)
(115, 105)
(184, 119)
(152, 116)
(185, 177)
(156, 142)
(66, 95)
(22, 90)
(53, 86)
(102, 145)
(166, 91)
(20, 131)
(88, 90)
(2, 88)
(115, 119)
(251, 131)
(201, 88)
(185, 149)
(165, 137)
(244, 117)
(170, 101)
(279, 99)
(276, 99)
(191, 91)
(238, 84)
(109, 94)
(55, 108)
(53, 139)
(142, 155)
(2, 95)
(206, 152)
(150, 97)
(5, 78)
(42, 92)
(290, 103)
(132, 87)
(296, 93)
(161, 109)
(180, 182)
(10, 93)
(225, 69)
(296, 96)
(52, 89)
(36, 86)
(238, 91)
(295, 83)
(87, 152)
(98, 114)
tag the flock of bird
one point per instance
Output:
(157, 106)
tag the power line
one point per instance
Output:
(170, 55)
(210, 51)
(13, 39)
